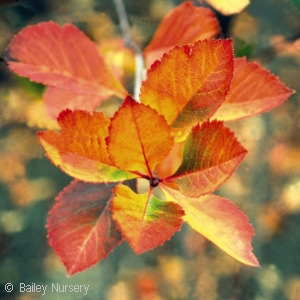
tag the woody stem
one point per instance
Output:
(129, 43)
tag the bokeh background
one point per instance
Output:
(266, 186)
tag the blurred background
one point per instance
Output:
(266, 186)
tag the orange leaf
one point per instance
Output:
(145, 221)
(253, 91)
(171, 163)
(211, 153)
(80, 148)
(190, 83)
(80, 227)
(62, 57)
(183, 25)
(139, 138)
(220, 221)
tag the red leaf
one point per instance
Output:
(183, 25)
(220, 221)
(253, 91)
(80, 227)
(57, 100)
(139, 138)
(190, 83)
(116, 56)
(145, 221)
(62, 57)
(80, 148)
(211, 153)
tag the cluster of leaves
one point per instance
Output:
(174, 137)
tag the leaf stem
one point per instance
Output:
(129, 43)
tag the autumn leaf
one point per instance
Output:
(145, 221)
(56, 100)
(90, 147)
(220, 221)
(185, 24)
(190, 83)
(171, 163)
(80, 227)
(210, 155)
(254, 90)
(228, 7)
(80, 150)
(145, 140)
(64, 58)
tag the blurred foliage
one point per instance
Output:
(30, 87)
(266, 186)
(296, 2)
(242, 48)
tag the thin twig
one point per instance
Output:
(129, 43)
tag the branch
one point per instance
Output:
(129, 43)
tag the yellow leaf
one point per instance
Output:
(228, 7)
